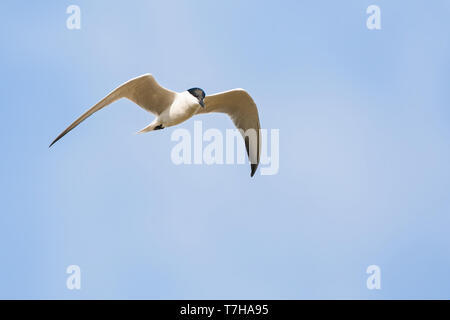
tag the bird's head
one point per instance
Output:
(199, 94)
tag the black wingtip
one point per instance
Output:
(54, 141)
(57, 139)
(254, 167)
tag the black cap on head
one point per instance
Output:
(197, 92)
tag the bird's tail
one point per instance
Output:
(155, 125)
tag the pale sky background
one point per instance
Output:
(364, 151)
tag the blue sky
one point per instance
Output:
(364, 152)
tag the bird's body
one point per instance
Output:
(183, 107)
(172, 108)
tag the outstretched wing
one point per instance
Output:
(143, 90)
(241, 108)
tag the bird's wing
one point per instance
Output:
(143, 90)
(241, 108)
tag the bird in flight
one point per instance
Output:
(172, 108)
